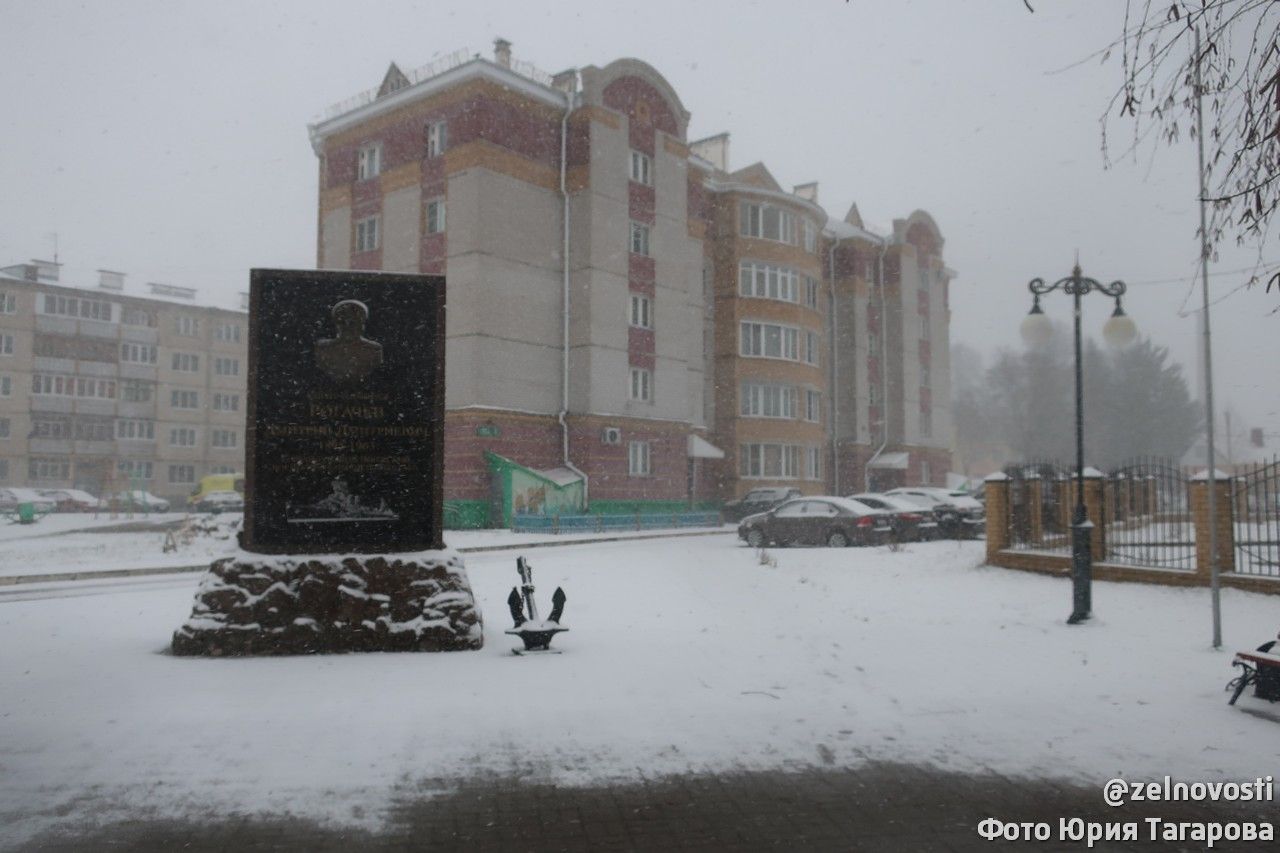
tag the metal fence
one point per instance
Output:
(1040, 511)
(1255, 503)
(1147, 510)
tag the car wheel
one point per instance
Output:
(837, 539)
(755, 538)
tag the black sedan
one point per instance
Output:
(835, 522)
(910, 523)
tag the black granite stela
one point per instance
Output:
(345, 417)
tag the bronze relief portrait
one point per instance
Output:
(350, 357)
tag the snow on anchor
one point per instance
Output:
(535, 633)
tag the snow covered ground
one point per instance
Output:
(684, 655)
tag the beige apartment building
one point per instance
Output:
(624, 307)
(104, 390)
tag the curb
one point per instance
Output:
(14, 580)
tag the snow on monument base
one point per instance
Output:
(258, 604)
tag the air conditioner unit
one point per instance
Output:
(611, 435)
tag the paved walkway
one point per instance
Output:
(878, 808)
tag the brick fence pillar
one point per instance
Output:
(1222, 525)
(1066, 501)
(1035, 510)
(1094, 505)
(998, 513)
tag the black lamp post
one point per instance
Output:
(1119, 330)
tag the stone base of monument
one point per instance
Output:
(260, 604)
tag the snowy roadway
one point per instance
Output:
(685, 655)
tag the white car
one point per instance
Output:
(71, 500)
(12, 498)
(136, 500)
(958, 515)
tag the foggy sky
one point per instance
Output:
(168, 139)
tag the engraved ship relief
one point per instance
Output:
(338, 506)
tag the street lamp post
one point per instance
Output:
(1119, 330)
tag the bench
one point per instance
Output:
(1261, 669)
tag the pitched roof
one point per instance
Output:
(756, 175)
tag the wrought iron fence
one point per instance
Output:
(1040, 511)
(1255, 504)
(1147, 510)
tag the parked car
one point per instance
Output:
(71, 500)
(958, 515)
(758, 500)
(135, 500)
(12, 498)
(832, 521)
(910, 522)
(221, 502)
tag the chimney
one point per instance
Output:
(566, 81)
(502, 52)
(111, 280)
(808, 192)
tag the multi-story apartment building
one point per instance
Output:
(103, 390)
(622, 306)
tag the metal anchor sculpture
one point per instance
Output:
(535, 633)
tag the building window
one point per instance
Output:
(4, 469)
(133, 430)
(641, 384)
(135, 391)
(437, 138)
(138, 353)
(926, 420)
(135, 469)
(873, 394)
(810, 236)
(184, 399)
(924, 375)
(369, 162)
(138, 317)
(6, 344)
(50, 428)
(72, 306)
(641, 168)
(812, 405)
(641, 312)
(638, 459)
(766, 222)
(8, 303)
(186, 362)
(182, 474)
(222, 469)
(813, 463)
(764, 281)
(182, 437)
(72, 386)
(639, 239)
(93, 430)
(188, 327)
(926, 472)
(765, 340)
(811, 347)
(367, 234)
(6, 386)
(435, 216)
(763, 400)
(226, 402)
(4, 427)
(226, 366)
(48, 468)
(873, 342)
(223, 438)
(769, 460)
(811, 291)
(228, 332)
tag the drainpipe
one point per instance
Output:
(569, 102)
(835, 369)
(884, 368)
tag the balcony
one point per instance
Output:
(56, 325)
(98, 368)
(139, 334)
(99, 329)
(50, 403)
(129, 370)
(45, 364)
(51, 446)
(137, 410)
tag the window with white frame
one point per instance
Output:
(138, 317)
(810, 236)
(641, 311)
(767, 222)
(812, 348)
(641, 168)
(48, 468)
(74, 306)
(641, 384)
(187, 362)
(8, 303)
(226, 366)
(435, 216)
(50, 428)
(769, 460)
(182, 474)
(228, 332)
(767, 400)
(766, 340)
(812, 405)
(811, 291)
(135, 430)
(813, 463)
(188, 327)
(638, 459)
(137, 391)
(6, 344)
(135, 469)
(72, 386)
(369, 161)
(182, 437)
(138, 353)
(222, 469)
(223, 438)
(226, 402)
(437, 138)
(367, 234)
(184, 399)
(639, 239)
(766, 281)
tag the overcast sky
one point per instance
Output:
(169, 139)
